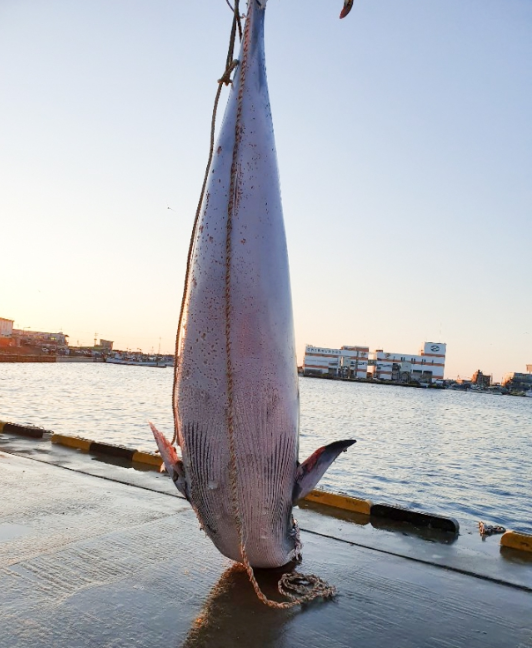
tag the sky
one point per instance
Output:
(404, 142)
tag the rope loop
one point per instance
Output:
(307, 587)
(226, 77)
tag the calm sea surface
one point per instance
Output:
(461, 454)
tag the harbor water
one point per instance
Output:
(463, 454)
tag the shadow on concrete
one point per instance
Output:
(233, 616)
(516, 557)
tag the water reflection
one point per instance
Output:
(233, 616)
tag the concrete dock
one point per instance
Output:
(96, 553)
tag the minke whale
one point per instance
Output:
(236, 395)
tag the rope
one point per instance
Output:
(299, 588)
(488, 529)
(225, 79)
(306, 587)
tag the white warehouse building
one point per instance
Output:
(6, 327)
(355, 362)
(428, 366)
(347, 362)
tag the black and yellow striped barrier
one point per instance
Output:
(510, 539)
(516, 540)
(416, 518)
(71, 442)
(340, 501)
(24, 430)
(86, 445)
(96, 447)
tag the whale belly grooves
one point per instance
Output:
(236, 391)
(239, 324)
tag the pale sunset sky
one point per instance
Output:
(404, 140)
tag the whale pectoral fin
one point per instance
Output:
(178, 477)
(172, 463)
(312, 470)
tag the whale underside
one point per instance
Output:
(237, 399)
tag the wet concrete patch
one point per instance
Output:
(10, 532)
(115, 566)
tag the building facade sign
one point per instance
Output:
(427, 366)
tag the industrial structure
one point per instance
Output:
(347, 362)
(516, 381)
(481, 380)
(105, 345)
(21, 341)
(427, 366)
(34, 338)
(6, 327)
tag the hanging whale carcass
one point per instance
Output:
(236, 392)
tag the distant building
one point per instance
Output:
(106, 345)
(529, 369)
(346, 362)
(6, 327)
(33, 338)
(426, 367)
(354, 361)
(517, 381)
(480, 379)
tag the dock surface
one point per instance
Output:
(95, 554)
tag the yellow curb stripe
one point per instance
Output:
(339, 501)
(515, 540)
(71, 442)
(147, 458)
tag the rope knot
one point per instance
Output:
(226, 76)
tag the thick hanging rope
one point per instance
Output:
(225, 79)
(298, 588)
(309, 587)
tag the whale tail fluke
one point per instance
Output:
(348, 5)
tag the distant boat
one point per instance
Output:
(529, 393)
(137, 361)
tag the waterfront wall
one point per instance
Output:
(379, 511)
(14, 357)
